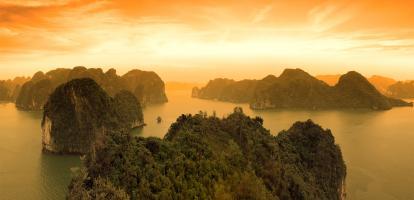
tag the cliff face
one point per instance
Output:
(80, 112)
(146, 86)
(353, 90)
(34, 94)
(235, 157)
(381, 83)
(402, 90)
(318, 155)
(295, 88)
(129, 109)
(10, 88)
(227, 90)
(4, 92)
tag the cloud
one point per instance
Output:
(326, 17)
(262, 14)
(34, 3)
(45, 26)
(192, 32)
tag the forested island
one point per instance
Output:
(147, 87)
(78, 113)
(402, 89)
(387, 86)
(206, 157)
(200, 157)
(296, 89)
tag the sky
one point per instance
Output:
(196, 40)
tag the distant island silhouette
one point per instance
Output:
(147, 86)
(297, 89)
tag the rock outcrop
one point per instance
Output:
(146, 86)
(382, 83)
(227, 90)
(79, 113)
(10, 88)
(402, 90)
(129, 109)
(34, 94)
(296, 89)
(204, 157)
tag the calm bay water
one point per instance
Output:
(377, 147)
(25, 172)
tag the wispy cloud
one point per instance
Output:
(262, 14)
(192, 32)
(325, 17)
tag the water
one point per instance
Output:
(25, 172)
(377, 147)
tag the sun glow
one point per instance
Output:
(323, 36)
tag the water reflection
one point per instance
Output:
(25, 172)
(55, 173)
(377, 146)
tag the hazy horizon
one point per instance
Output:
(187, 133)
(208, 39)
(198, 75)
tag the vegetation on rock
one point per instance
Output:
(129, 109)
(205, 157)
(402, 90)
(146, 86)
(10, 88)
(80, 112)
(295, 88)
(227, 90)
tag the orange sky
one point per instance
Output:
(195, 40)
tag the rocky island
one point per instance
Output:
(9, 89)
(387, 86)
(402, 89)
(205, 157)
(80, 113)
(381, 83)
(147, 87)
(296, 89)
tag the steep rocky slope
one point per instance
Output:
(205, 157)
(146, 86)
(80, 112)
(296, 89)
(10, 88)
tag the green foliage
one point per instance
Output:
(146, 86)
(128, 108)
(80, 112)
(34, 94)
(295, 88)
(101, 189)
(204, 157)
(227, 90)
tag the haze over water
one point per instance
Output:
(377, 146)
